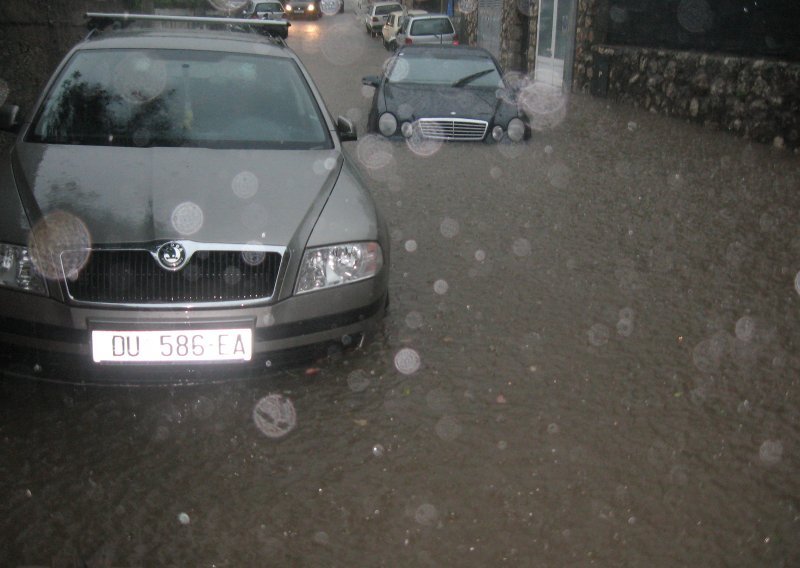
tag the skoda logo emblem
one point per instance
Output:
(171, 255)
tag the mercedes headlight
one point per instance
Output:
(18, 272)
(325, 267)
(387, 124)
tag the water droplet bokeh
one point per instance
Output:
(275, 416)
(407, 361)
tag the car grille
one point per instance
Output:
(453, 128)
(135, 277)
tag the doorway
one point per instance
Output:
(555, 42)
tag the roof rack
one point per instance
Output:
(275, 28)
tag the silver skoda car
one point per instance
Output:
(180, 199)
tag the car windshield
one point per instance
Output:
(386, 9)
(154, 97)
(431, 26)
(439, 69)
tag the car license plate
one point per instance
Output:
(169, 346)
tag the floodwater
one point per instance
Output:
(591, 357)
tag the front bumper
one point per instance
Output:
(42, 329)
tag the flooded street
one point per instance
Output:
(591, 357)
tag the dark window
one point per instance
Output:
(742, 27)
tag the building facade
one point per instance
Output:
(733, 65)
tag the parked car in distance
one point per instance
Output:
(392, 25)
(445, 93)
(427, 29)
(303, 9)
(269, 9)
(250, 234)
(376, 15)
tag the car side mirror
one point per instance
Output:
(371, 80)
(346, 129)
(9, 118)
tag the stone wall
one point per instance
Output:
(755, 98)
(758, 99)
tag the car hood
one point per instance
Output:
(410, 102)
(129, 195)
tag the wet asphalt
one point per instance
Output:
(591, 358)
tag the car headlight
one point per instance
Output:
(387, 124)
(311, 7)
(407, 129)
(516, 129)
(325, 267)
(288, 7)
(18, 272)
(497, 133)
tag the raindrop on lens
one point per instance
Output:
(598, 335)
(449, 228)
(426, 514)
(59, 241)
(441, 287)
(797, 283)
(358, 381)
(203, 408)
(183, 519)
(374, 151)
(228, 5)
(411, 245)
(187, 218)
(544, 105)
(378, 450)
(625, 327)
(330, 7)
(414, 320)
(521, 247)
(340, 46)
(695, 16)
(771, 452)
(245, 185)
(448, 428)
(420, 145)
(275, 416)
(480, 255)
(467, 6)
(745, 329)
(407, 361)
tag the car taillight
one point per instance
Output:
(455, 39)
(254, 17)
(375, 18)
(408, 41)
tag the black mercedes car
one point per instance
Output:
(446, 93)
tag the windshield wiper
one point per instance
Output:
(469, 78)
